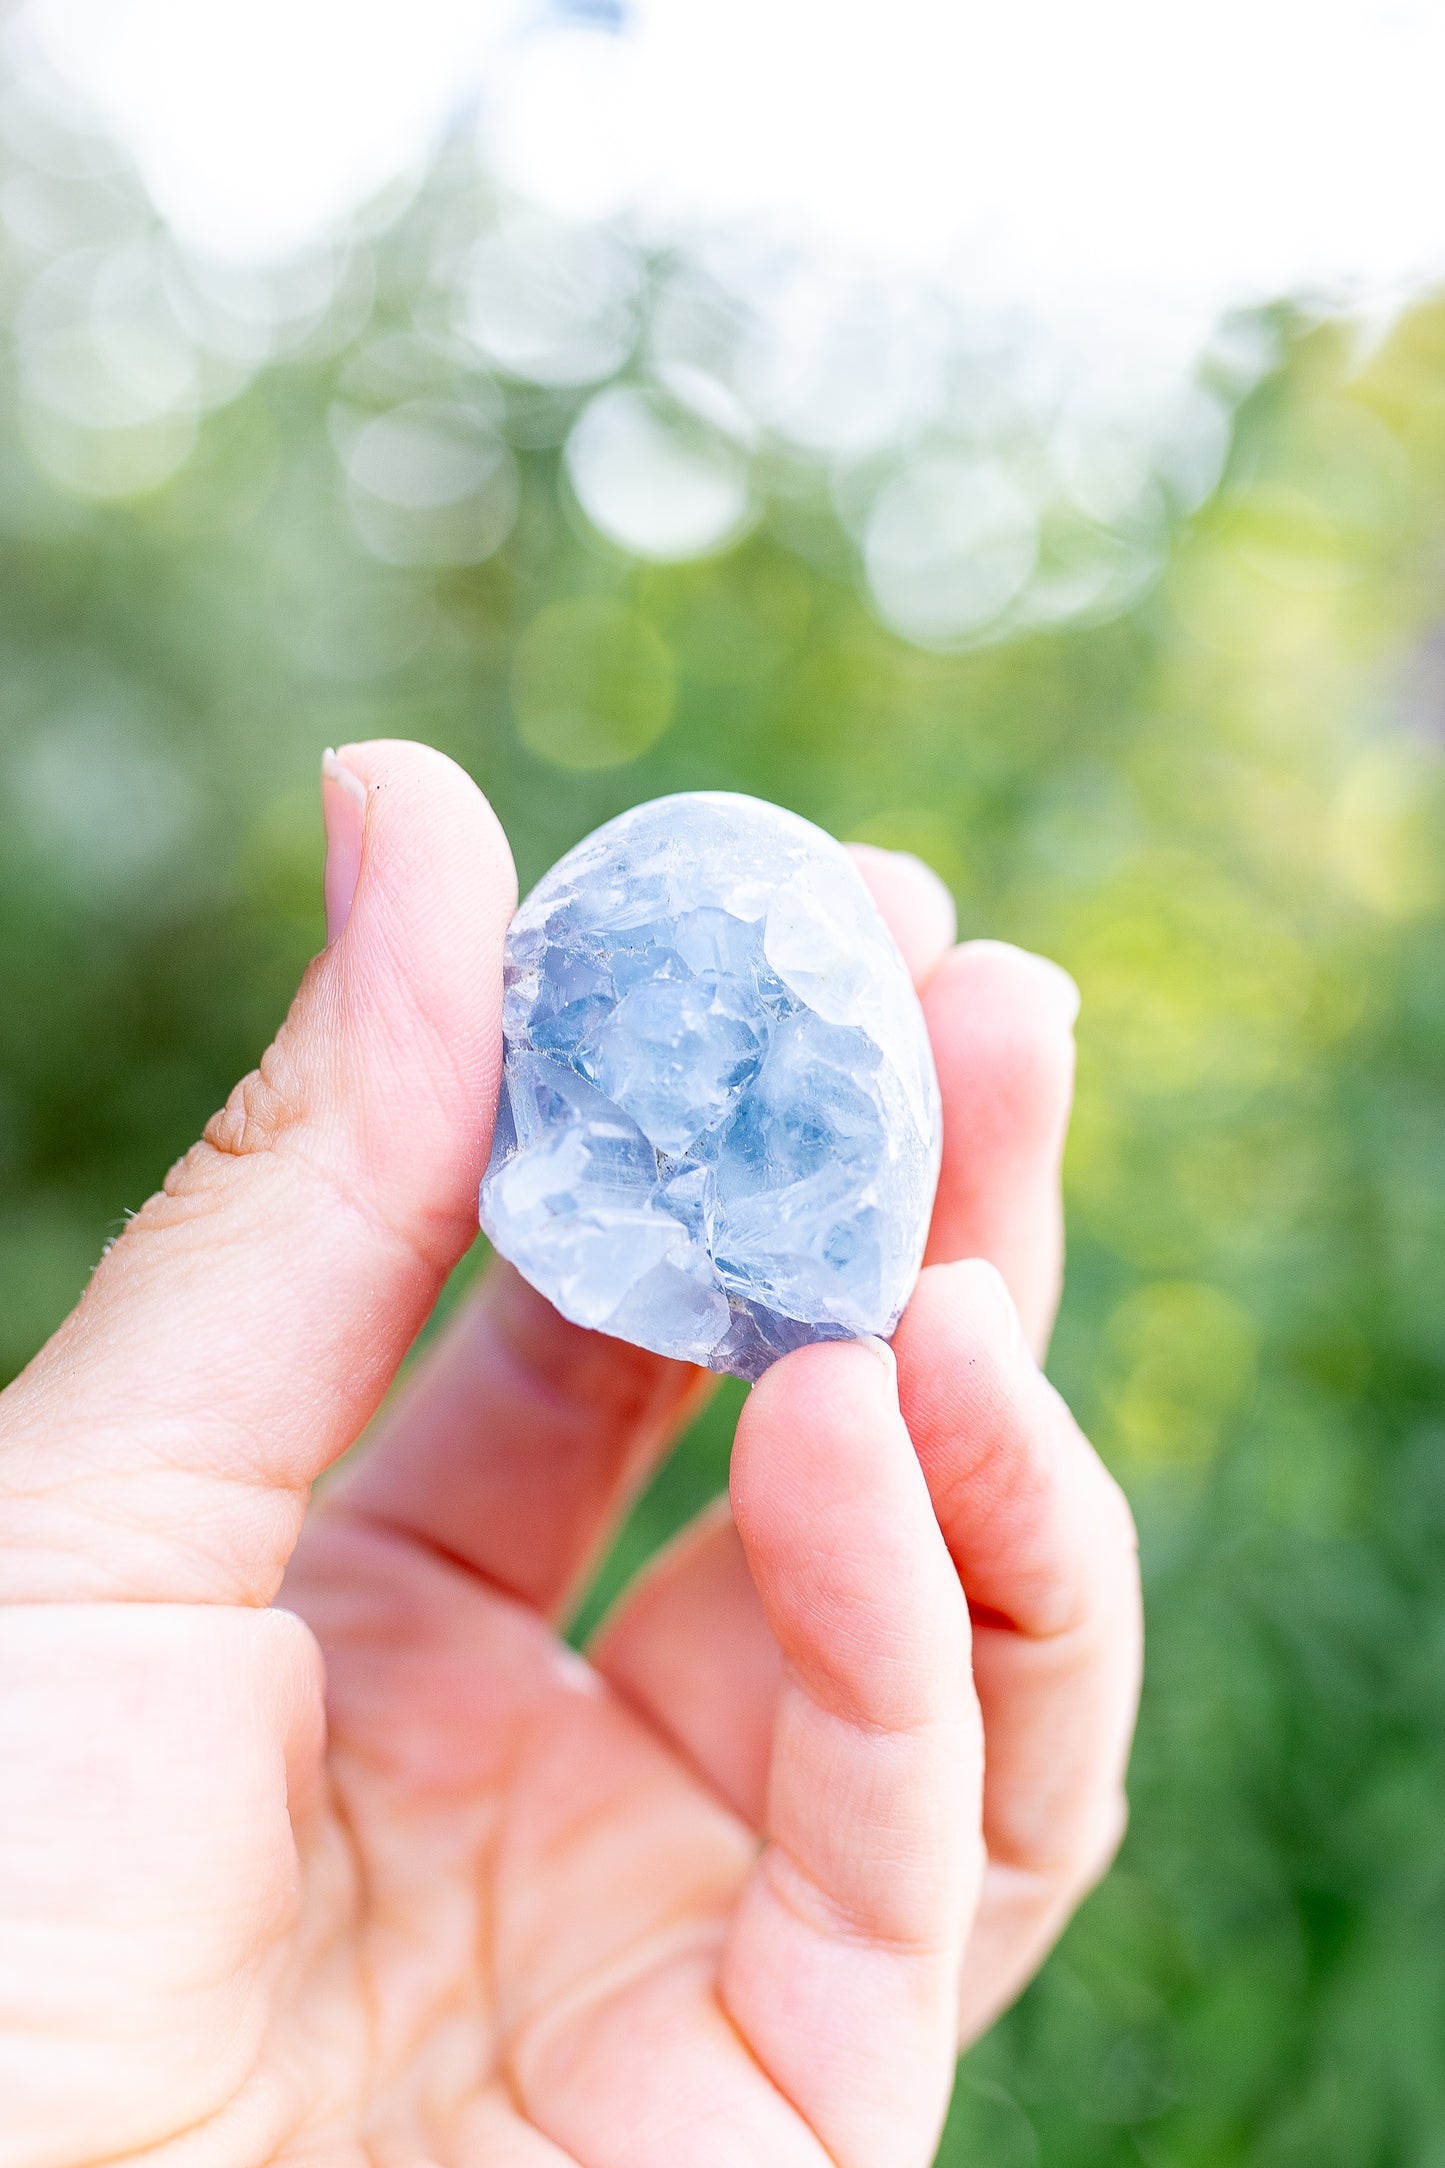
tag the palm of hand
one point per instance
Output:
(389, 1875)
(532, 1892)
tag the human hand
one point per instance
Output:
(369, 1867)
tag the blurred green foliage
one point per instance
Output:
(1223, 811)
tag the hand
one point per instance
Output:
(369, 1868)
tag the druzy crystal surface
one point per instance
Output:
(719, 1125)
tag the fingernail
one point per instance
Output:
(343, 810)
(882, 1352)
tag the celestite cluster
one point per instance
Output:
(719, 1127)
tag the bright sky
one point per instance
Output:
(1084, 187)
(1187, 154)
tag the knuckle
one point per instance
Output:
(258, 1114)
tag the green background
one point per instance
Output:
(1222, 811)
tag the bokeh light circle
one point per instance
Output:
(430, 483)
(949, 545)
(660, 485)
(550, 303)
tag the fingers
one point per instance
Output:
(917, 908)
(690, 1649)
(841, 1969)
(1044, 1547)
(519, 1444)
(1001, 1023)
(245, 1326)
(520, 1441)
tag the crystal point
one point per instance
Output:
(719, 1129)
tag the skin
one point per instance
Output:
(317, 1844)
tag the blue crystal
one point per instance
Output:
(719, 1126)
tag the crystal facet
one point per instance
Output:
(719, 1126)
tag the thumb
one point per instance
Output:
(243, 1329)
